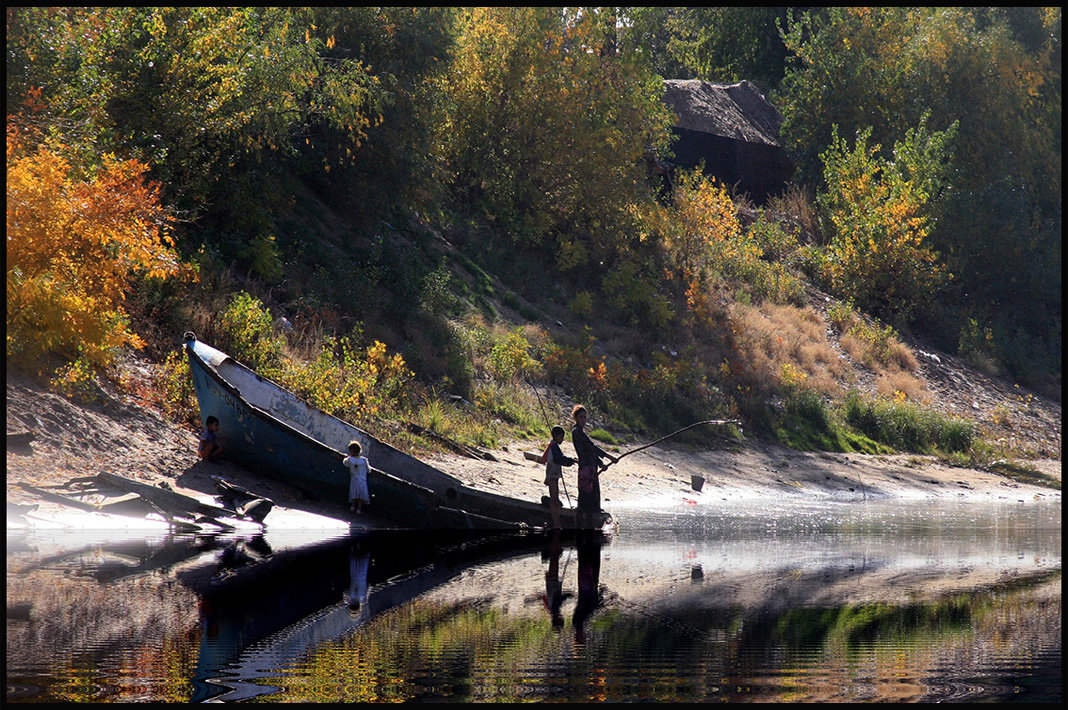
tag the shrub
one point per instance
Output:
(263, 260)
(350, 382)
(977, 345)
(879, 212)
(808, 405)
(509, 358)
(776, 242)
(705, 242)
(176, 383)
(248, 335)
(582, 305)
(908, 427)
(75, 380)
(74, 246)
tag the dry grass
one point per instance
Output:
(877, 350)
(902, 357)
(797, 205)
(892, 381)
(857, 348)
(788, 345)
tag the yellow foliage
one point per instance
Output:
(73, 246)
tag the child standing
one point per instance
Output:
(554, 460)
(359, 496)
(209, 448)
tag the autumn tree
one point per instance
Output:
(75, 242)
(879, 256)
(548, 125)
(994, 71)
(215, 100)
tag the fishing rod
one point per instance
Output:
(674, 433)
(550, 425)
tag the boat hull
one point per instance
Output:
(271, 432)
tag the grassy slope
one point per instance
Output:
(380, 285)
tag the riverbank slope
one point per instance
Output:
(122, 434)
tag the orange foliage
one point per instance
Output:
(73, 247)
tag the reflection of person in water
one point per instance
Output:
(589, 576)
(356, 595)
(554, 586)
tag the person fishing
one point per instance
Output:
(589, 465)
(554, 460)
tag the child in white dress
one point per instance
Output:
(357, 465)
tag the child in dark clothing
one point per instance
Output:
(554, 460)
(209, 448)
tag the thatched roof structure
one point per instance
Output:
(737, 111)
(733, 130)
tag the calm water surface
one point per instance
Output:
(837, 603)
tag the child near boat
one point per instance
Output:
(357, 465)
(210, 448)
(554, 460)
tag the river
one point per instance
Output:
(834, 602)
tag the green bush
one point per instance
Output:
(176, 383)
(908, 427)
(248, 335)
(509, 358)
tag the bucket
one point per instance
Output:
(696, 482)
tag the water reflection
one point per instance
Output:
(555, 596)
(590, 595)
(280, 609)
(882, 606)
(356, 597)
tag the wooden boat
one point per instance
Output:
(272, 432)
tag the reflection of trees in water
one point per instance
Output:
(471, 648)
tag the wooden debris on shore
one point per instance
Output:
(124, 496)
(19, 438)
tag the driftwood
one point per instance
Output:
(59, 497)
(456, 446)
(170, 501)
(19, 438)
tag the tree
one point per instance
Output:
(718, 44)
(208, 97)
(548, 126)
(74, 244)
(878, 256)
(994, 71)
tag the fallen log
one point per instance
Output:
(59, 498)
(172, 502)
(19, 438)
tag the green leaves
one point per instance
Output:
(878, 210)
(547, 124)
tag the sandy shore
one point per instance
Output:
(127, 437)
(663, 476)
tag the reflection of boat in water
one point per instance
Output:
(271, 431)
(258, 617)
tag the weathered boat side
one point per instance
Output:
(274, 433)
